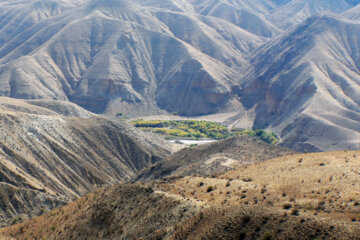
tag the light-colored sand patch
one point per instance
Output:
(226, 162)
(189, 142)
(229, 162)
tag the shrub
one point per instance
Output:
(52, 227)
(268, 235)
(295, 212)
(287, 206)
(209, 189)
(200, 129)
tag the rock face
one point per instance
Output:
(305, 85)
(47, 158)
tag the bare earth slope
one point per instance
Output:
(297, 11)
(120, 56)
(191, 58)
(353, 13)
(308, 196)
(61, 157)
(208, 159)
(306, 86)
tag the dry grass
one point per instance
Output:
(209, 159)
(128, 211)
(252, 222)
(322, 184)
(307, 196)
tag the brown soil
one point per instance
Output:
(214, 158)
(306, 196)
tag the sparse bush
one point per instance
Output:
(247, 179)
(287, 206)
(295, 212)
(209, 189)
(52, 227)
(15, 220)
(268, 236)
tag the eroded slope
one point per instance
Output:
(64, 157)
(208, 159)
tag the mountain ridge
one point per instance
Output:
(56, 152)
(308, 73)
(191, 58)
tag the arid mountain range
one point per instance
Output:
(289, 66)
(74, 72)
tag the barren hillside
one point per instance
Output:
(305, 85)
(318, 184)
(121, 56)
(212, 158)
(307, 196)
(48, 151)
(295, 60)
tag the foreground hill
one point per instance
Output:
(308, 196)
(53, 151)
(208, 159)
(305, 86)
(319, 184)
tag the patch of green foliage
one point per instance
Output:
(189, 129)
(265, 136)
(192, 129)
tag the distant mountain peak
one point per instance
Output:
(110, 4)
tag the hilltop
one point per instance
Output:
(212, 158)
(305, 196)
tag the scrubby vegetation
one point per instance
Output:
(192, 129)
(292, 197)
(265, 136)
